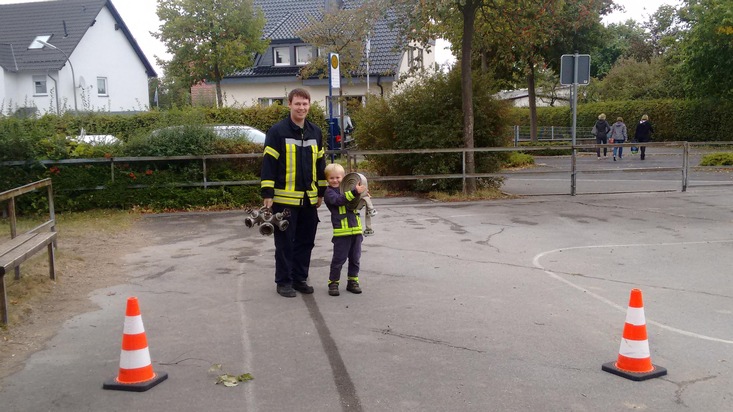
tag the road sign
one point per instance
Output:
(335, 72)
(567, 68)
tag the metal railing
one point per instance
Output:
(552, 133)
(574, 168)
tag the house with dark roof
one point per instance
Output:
(70, 55)
(276, 71)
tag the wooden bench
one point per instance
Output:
(20, 248)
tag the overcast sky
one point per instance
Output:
(140, 18)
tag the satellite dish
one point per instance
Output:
(82, 82)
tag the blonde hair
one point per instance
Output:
(602, 116)
(619, 119)
(645, 117)
(333, 168)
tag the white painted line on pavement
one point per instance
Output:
(538, 257)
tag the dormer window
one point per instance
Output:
(38, 45)
(281, 56)
(303, 54)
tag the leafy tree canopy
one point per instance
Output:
(209, 39)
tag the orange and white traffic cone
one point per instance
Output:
(136, 372)
(634, 360)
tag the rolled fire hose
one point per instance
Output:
(348, 183)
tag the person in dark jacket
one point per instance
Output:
(347, 230)
(602, 128)
(292, 178)
(643, 134)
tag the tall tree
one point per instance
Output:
(342, 31)
(707, 47)
(209, 39)
(527, 36)
(423, 21)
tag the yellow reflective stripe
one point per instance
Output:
(349, 195)
(322, 183)
(290, 167)
(314, 150)
(347, 232)
(354, 278)
(289, 193)
(267, 183)
(287, 201)
(272, 152)
(321, 153)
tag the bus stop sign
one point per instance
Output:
(567, 68)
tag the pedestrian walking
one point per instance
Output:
(600, 131)
(643, 134)
(618, 135)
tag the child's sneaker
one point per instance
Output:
(372, 212)
(353, 286)
(333, 289)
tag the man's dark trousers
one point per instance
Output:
(293, 246)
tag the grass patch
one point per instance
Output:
(79, 232)
(518, 160)
(717, 159)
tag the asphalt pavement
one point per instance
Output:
(506, 305)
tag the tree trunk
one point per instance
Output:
(469, 17)
(218, 76)
(218, 94)
(532, 96)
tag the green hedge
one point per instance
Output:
(45, 137)
(428, 114)
(673, 120)
(76, 186)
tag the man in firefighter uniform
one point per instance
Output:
(293, 178)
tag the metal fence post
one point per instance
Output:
(685, 165)
(573, 170)
(516, 136)
(205, 182)
(463, 169)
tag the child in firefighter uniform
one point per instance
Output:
(347, 230)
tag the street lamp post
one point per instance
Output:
(73, 76)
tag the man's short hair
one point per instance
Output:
(300, 93)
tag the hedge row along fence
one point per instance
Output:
(673, 120)
(37, 138)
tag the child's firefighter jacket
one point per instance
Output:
(345, 222)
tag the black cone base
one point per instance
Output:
(135, 387)
(642, 376)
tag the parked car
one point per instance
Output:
(227, 131)
(95, 139)
(233, 131)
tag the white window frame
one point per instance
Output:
(104, 89)
(284, 53)
(303, 55)
(38, 80)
